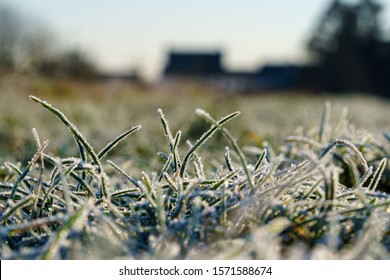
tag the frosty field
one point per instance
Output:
(271, 176)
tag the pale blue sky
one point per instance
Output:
(122, 34)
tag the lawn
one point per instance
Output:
(266, 176)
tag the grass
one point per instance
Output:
(203, 192)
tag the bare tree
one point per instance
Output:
(37, 45)
(24, 41)
(27, 44)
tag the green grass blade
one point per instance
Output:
(82, 151)
(233, 142)
(75, 221)
(228, 159)
(260, 160)
(126, 192)
(27, 169)
(71, 127)
(116, 141)
(176, 157)
(165, 167)
(19, 172)
(322, 133)
(224, 179)
(167, 131)
(12, 208)
(339, 142)
(134, 182)
(203, 139)
(377, 175)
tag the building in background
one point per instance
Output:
(206, 68)
(349, 52)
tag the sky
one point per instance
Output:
(126, 34)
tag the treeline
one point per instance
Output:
(28, 46)
(351, 49)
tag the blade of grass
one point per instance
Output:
(27, 169)
(339, 142)
(19, 172)
(322, 133)
(134, 182)
(76, 220)
(71, 127)
(165, 167)
(232, 141)
(377, 175)
(228, 159)
(13, 207)
(176, 157)
(260, 160)
(116, 141)
(167, 131)
(203, 139)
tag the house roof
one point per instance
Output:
(193, 63)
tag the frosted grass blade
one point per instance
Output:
(204, 138)
(377, 175)
(116, 141)
(232, 141)
(71, 127)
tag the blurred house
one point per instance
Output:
(349, 51)
(193, 64)
(282, 76)
(207, 69)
